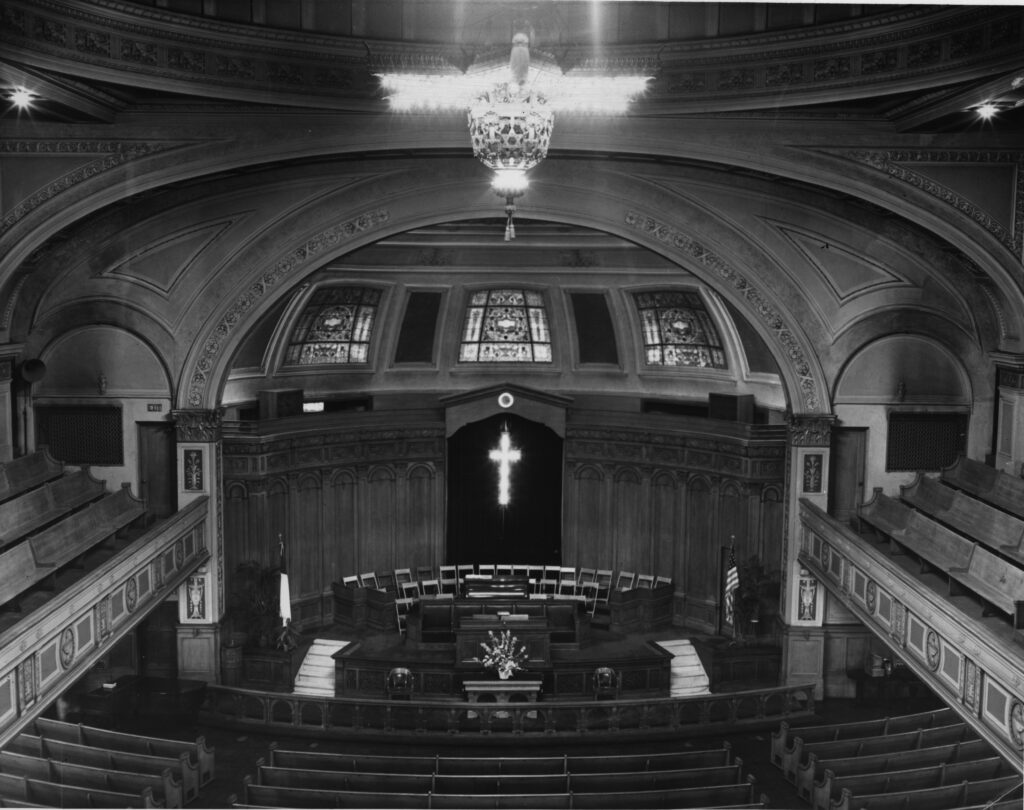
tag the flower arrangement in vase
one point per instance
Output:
(504, 654)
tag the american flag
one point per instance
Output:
(732, 582)
(285, 596)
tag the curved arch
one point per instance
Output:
(343, 477)
(381, 472)
(277, 486)
(602, 199)
(420, 470)
(627, 475)
(589, 472)
(309, 480)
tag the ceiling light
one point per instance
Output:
(21, 98)
(512, 108)
(987, 110)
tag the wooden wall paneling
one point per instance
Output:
(378, 519)
(769, 524)
(732, 509)
(237, 515)
(591, 500)
(417, 543)
(276, 523)
(628, 534)
(304, 543)
(341, 526)
(701, 540)
(664, 531)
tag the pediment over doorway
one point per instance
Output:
(530, 403)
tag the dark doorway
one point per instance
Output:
(846, 489)
(529, 529)
(157, 474)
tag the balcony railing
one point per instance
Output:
(298, 714)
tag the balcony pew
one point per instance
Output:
(29, 561)
(811, 772)
(53, 794)
(347, 781)
(38, 507)
(501, 766)
(27, 472)
(199, 754)
(713, 796)
(987, 484)
(491, 786)
(861, 746)
(781, 740)
(356, 763)
(998, 583)
(994, 528)
(831, 786)
(936, 798)
(164, 787)
(272, 796)
(935, 546)
(180, 766)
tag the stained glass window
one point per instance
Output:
(678, 331)
(334, 328)
(506, 326)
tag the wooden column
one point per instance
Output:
(1009, 449)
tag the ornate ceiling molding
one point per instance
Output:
(216, 340)
(893, 163)
(113, 154)
(787, 341)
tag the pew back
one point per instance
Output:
(27, 472)
(34, 509)
(988, 484)
(53, 794)
(936, 798)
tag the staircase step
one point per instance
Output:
(316, 674)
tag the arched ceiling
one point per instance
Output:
(825, 159)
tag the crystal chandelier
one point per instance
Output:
(512, 109)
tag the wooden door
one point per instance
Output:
(846, 487)
(157, 472)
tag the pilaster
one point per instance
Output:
(6, 409)
(1009, 449)
(201, 602)
(802, 611)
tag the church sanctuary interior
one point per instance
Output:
(467, 403)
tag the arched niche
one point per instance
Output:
(904, 369)
(102, 361)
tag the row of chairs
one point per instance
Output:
(545, 579)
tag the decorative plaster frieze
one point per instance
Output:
(113, 154)
(198, 425)
(894, 163)
(789, 348)
(813, 431)
(300, 258)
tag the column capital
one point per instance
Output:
(198, 424)
(810, 430)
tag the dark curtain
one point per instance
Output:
(529, 529)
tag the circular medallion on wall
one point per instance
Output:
(1017, 723)
(506, 400)
(131, 594)
(826, 555)
(67, 647)
(870, 595)
(931, 649)
(179, 553)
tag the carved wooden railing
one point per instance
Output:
(52, 647)
(976, 670)
(298, 714)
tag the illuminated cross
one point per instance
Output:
(506, 456)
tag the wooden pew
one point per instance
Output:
(937, 775)
(38, 507)
(271, 796)
(988, 484)
(19, 571)
(810, 772)
(165, 788)
(356, 763)
(714, 796)
(525, 801)
(936, 798)
(782, 740)
(183, 769)
(998, 582)
(675, 760)
(501, 766)
(27, 472)
(861, 746)
(656, 780)
(348, 781)
(201, 755)
(53, 794)
(992, 527)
